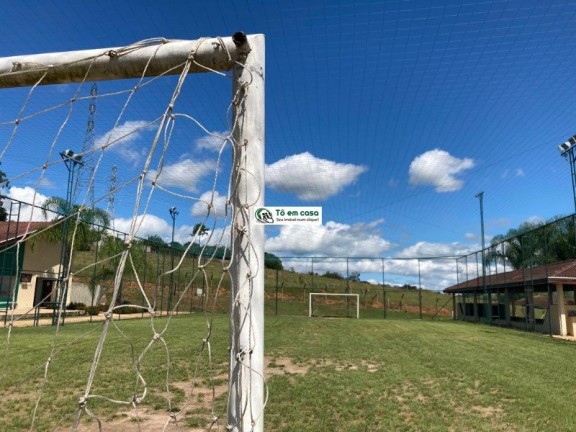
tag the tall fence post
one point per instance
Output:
(383, 289)
(419, 291)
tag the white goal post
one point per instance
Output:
(334, 296)
(244, 56)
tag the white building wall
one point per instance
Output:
(41, 260)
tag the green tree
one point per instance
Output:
(200, 230)
(176, 245)
(112, 248)
(90, 221)
(156, 243)
(271, 261)
(533, 244)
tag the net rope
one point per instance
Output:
(144, 188)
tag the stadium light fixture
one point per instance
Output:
(567, 152)
(71, 159)
(565, 146)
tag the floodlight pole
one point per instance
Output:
(487, 297)
(246, 389)
(173, 214)
(567, 152)
(73, 162)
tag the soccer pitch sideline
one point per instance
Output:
(322, 375)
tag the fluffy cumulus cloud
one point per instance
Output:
(124, 140)
(217, 201)
(426, 249)
(27, 195)
(330, 239)
(218, 234)
(439, 169)
(149, 225)
(311, 178)
(185, 174)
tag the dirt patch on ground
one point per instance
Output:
(284, 366)
(198, 399)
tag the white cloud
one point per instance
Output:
(439, 168)
(520, 172)
(123, 140)
(434, 274)
(185, 174)
(331, 239)
(150, 225)
(154, 225)
(27, 212)
(212, 142)
(311, 178)
(200, 208)
(426, 249)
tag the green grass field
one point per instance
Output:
(323, 375)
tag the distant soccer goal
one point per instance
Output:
(188, 145)
(334, 305)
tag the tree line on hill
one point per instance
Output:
(534, 243)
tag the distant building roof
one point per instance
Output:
(555, 273)
(12, 230)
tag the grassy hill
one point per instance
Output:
(286, 291)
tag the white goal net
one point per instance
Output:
(335, 305)
(135, 197)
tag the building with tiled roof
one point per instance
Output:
(541, 298)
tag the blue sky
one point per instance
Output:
(391, 115)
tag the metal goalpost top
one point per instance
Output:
(155, 57)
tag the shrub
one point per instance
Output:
(333, 275)
(92, 310)
(76, 306)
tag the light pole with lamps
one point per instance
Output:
(487, 297)
(173, 214)
(73, 163)
(567, 152)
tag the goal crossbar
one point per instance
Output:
(149, 58)
(356, 296)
